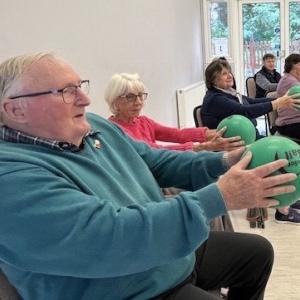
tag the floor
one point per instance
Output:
(284, 283)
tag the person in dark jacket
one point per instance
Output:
(221, 101)
(267, 77)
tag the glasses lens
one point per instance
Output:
(69, 94)
(85, 86)
(131, 97)
(143, 96)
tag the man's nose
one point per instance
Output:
(82, 98)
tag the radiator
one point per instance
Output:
(188, 98)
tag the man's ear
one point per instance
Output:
(13, 110)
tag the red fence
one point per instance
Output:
(254, 52)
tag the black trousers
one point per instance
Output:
(242, 262)
(290, 130)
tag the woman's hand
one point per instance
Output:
(286, 102)
(217, 143)
(220, 144)
(211, 133)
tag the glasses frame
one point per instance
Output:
(56, 91)
(143, 96)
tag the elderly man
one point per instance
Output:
(267, 77)
(82, 215)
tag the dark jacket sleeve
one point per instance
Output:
(218, 105)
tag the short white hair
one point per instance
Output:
(121, 84)
(13, 68)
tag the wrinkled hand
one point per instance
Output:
(211, 133)
(286, 102)
(243, 188)
(217, 143)
(234, 156)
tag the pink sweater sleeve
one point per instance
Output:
(183, 138)
(149, 131)
(175, 135)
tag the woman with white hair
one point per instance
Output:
(126, 95)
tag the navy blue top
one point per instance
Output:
(218, 105)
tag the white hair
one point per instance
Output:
(121, 84)
(13, 68)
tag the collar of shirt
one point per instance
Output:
(233, 92)
(15, 136)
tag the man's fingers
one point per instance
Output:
(279, 190)
(275, 180)
(269, 202)
(244, 162)
(269, 168)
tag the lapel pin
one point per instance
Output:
(97, 144)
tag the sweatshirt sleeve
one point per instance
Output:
(50, 224)
(52, 227)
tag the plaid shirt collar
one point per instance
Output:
(15, 136)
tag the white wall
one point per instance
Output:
(159, 39)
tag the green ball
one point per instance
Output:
(272, 148)
(294, 90)
(238, 125)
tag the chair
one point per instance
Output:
(197, 116)
(251, 93)
(271, 117)
(251, 87)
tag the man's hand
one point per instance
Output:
(243, 188)
(234, 156)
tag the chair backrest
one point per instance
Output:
(271, 118)
(251, 87)
(197, 116)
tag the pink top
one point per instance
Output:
(147, 130)
(288, 115)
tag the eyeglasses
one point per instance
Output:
(69, 93)
(132, 97)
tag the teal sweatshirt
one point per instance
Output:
(94, 224)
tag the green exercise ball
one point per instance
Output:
(272, 148)
(238, 125)
(294, 90)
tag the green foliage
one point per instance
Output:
(294, 9)
(260, 20)
(219, 23)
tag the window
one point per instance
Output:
(219, 31)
